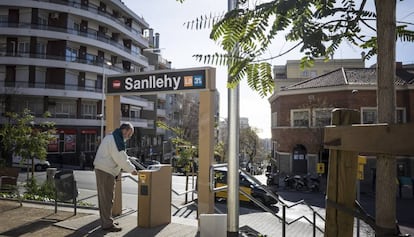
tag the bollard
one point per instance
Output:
(50, 174)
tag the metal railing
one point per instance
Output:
(192, 191)
(274, 196)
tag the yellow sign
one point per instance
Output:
(360, 172)
(142, 177)
(320, 169)
(362, 160)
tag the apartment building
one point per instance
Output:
(54, 56)
(300, 111)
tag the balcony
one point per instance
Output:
(138, 122)
(55, 90)
(89, 33)
(90, 9)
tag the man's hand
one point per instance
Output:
(134, 172)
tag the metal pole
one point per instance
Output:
(314, 223)
(358, 197)
(103, 101)
(233, 158)
(284, 221)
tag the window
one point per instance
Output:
(42, 21)
(40, 50)
(89, 110)
(134, 112)
(4, 18)
(274, 120)
(369, 115)
(23, 48)
(53, 145)
(400, 115)
(89, 141)
(3, 48)
(321, 117)
(65, 110)
(299, 118)
(71, 54)
(91, 59)
(70, 143)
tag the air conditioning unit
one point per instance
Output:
(55, 15)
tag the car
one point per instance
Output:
(249, 185)
(39, 165)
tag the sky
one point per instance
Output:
(178, 45)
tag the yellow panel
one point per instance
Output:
(362, 159)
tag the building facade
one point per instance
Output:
(300, 111)
(291, 72)
(54, 56)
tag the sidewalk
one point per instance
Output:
(40, 220)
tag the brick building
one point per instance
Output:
(300, 111)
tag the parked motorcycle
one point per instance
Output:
(307, 182)
(290, 182)
(315, 183)
(300, 183)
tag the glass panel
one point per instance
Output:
(322, 118)
(300, 118)
(369, 116)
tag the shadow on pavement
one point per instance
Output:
(316, 199)
(28, 228)
(91, 229)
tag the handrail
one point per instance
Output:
(184, 206)
(185, 192)
(130, 177)
(260, 204)
(276, 197)
(212, 167)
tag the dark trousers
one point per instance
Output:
(105, 183)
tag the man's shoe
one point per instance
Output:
(112, 229)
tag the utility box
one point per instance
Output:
(154, 196)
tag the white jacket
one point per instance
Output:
(110, 160)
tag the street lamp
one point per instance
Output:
(102, 115)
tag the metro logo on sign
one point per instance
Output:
(188, 81)
(198, 80)
(157, 81)
(116, 84)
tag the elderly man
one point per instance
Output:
(110, 158)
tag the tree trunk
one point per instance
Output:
(385, 203)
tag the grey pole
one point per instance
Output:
(233, 158)
(103, 101)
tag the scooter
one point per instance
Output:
(307, 182)
(315, 183)
(300, 182)
(290, 182)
